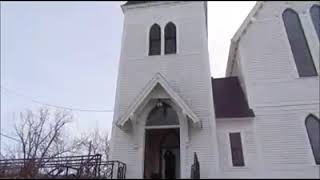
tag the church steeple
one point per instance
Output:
(164, 56)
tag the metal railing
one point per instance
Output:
(195, 168)
(71, 167)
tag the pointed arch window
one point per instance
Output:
(155, 40)
(162, 114)
(313, 130)
(170, 38)
(298, 43)
(315, 16)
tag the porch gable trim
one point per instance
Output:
(157, 79)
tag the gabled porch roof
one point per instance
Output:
(158, 79)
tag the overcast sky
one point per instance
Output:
(67, 54)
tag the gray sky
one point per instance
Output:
(67, 54)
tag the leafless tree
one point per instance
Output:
(42, 138)
(96, 142)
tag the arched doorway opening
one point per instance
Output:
(162, 143)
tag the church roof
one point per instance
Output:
(229, 98)
(135, 2)
(240, 32)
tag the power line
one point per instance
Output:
(51, 105)
(9, 137)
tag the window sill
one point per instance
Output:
(161, 56)
(307, 77)
(171, 54)
(238, 168)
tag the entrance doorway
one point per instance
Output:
(162, 154)
(162, 143)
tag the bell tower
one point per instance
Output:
(164, 57)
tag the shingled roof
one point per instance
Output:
(229, 98)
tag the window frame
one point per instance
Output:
(232, 164)
(150, 40)
(174, 38)
(316, 161)
(296, 61)
(312, 19)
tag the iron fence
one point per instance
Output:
(67, 167)
(195, 168)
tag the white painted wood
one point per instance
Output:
(187, 73)
(281, 100)
(156, 81)
(275, 142)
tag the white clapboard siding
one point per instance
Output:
(280, 98)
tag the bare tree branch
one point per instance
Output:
(41, 136)
(96, 142)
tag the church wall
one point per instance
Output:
(237, 71)
(187, 73)
(267, 60)
(280, 98)
(249, 145)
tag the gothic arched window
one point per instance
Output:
(298, 43)
(313, 130)
(170, 38)
(315, 16)
(162, 114)
(155, 40)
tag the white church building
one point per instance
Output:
(260, 121)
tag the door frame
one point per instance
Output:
(161, 148)
(183, 135)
